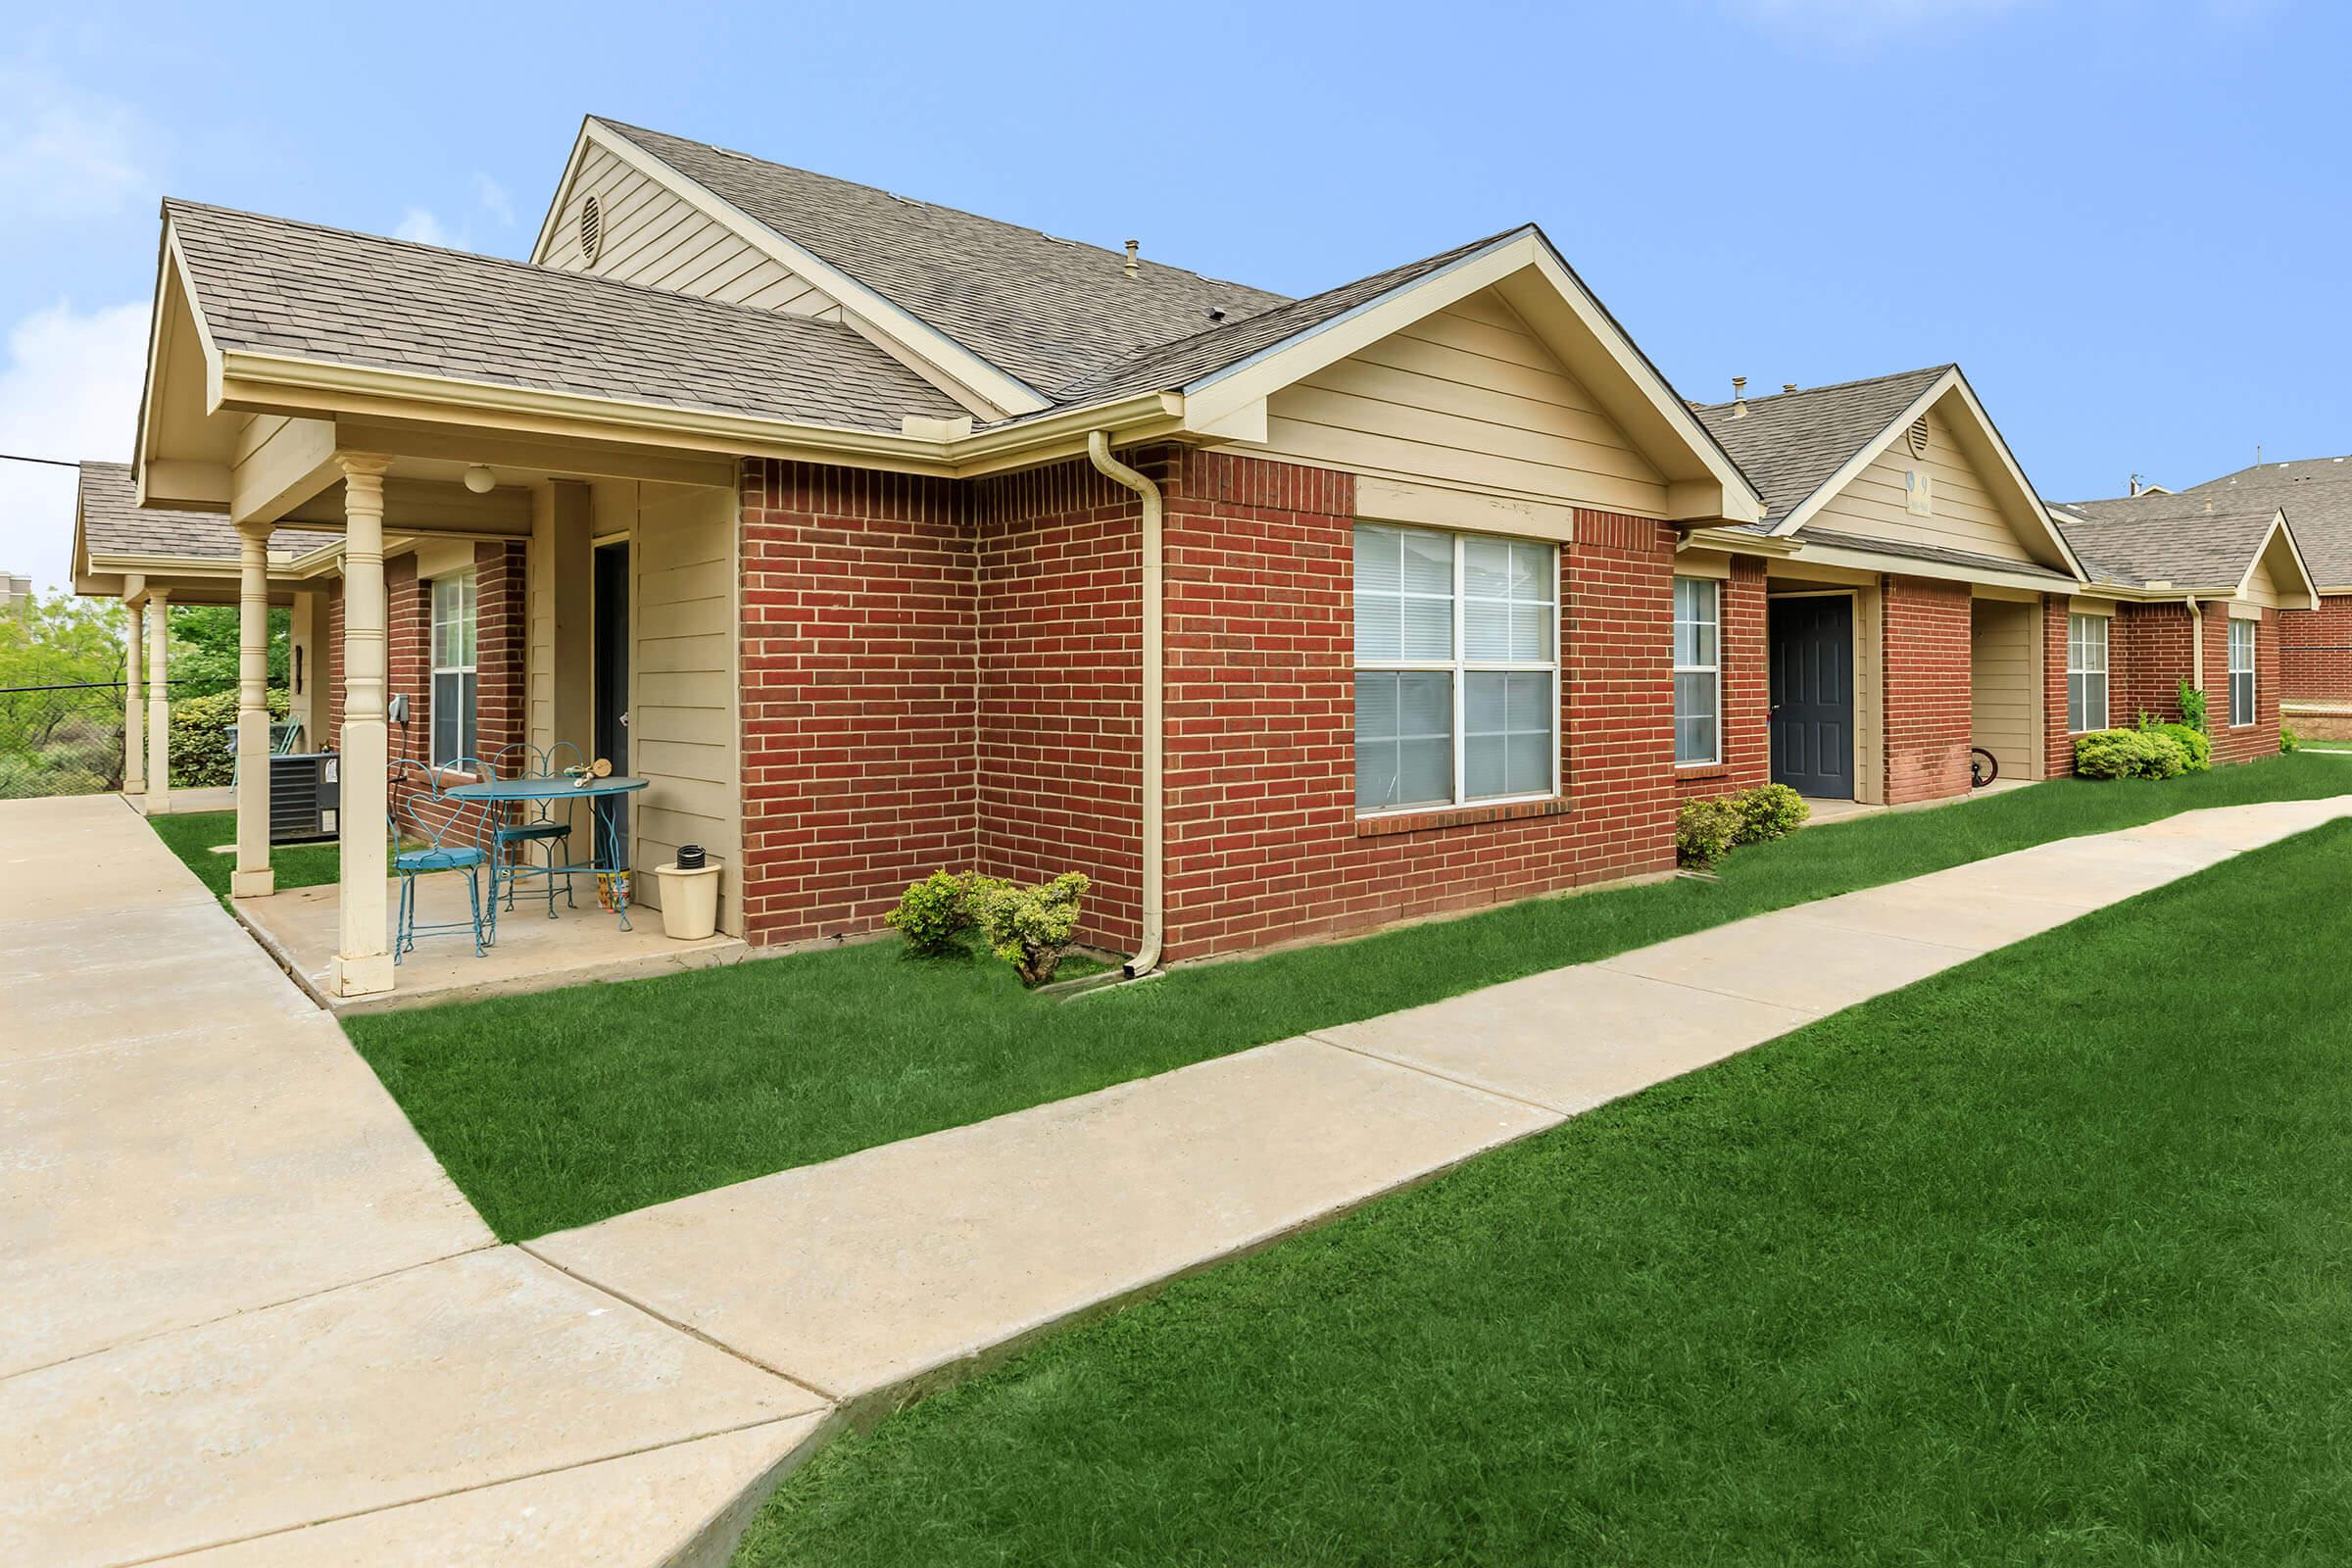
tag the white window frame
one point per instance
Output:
(1460, 667)
(1714, 587)
(2253, 707)
(466, 587)
(2079, 641)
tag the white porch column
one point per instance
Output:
(364, 963)
(252, 878)
(134, 701)
(159, 702)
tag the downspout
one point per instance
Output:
(1098, 452)
(2196, 645)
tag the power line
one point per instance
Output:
(55, 463)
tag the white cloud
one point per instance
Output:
(70, 389)
(494, 199)
(1866, 20)
(421, 226)
(65, 153)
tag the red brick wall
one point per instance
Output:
(1930, 706)
(2260, 738)
(2149, 651)
(859, 642)
(1060, 687)
(1747, 706)
(502, 634)
(1263, 842)
(2316, 652)
(2057, 746)
(407, 628)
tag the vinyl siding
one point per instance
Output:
(1467, 398)
(654, 236)
(2005, 681)
(1964, 515)
(682, 720)
(2262, 588)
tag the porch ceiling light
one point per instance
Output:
(480, 480)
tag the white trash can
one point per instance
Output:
(689, 900)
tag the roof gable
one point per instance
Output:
(2184, 542)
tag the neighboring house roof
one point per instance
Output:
(274, 286)
(113, 524)
(2185, 540)
(1790, 444)
(2315, 493)
(1049, 312)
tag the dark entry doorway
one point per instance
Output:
(1813, 694)
(611, 671)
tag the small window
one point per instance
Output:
(2085, 672)
(2241, 672)
(1697, 670)
(454, 689)
(1456, 671)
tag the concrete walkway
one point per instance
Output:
(536, 1403)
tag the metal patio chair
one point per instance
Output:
(533, 822)
(431, 818)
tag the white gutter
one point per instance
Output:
(1146, 957)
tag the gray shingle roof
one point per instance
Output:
(2173, 539)
(1906, 549)
(113, 524)
(2315, 493)
(274, 286)
(1187, 360)
(1789, 444)
(1049, 312)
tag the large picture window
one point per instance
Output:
(2085, 672)
(2241, 672)
(1697, 670)
(1456, 669)
(452, 694)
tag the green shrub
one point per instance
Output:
(2167, 758)
(1770, 811)
(200, 726)
(935, 911)
(2193, 708)
(1029, 928)
(2289, 740)
(1706, 832)
(2196, 749)
(2130, 753)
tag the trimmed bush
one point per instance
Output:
(2128, 754)
(2196, 750)
(1030, 928)
(1707, 831)
(200, 752)
(935, 911)
(1770, 811)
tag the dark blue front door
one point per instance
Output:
(1813, 694)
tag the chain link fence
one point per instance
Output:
(61, 740)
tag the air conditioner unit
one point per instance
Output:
(306, 796)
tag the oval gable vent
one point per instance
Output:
(1918, 436)
(592, 228)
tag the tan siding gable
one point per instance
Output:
(1470, 399)
(1964, 515)
(655, 236)
(2262, 588)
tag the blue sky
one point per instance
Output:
(2126, 221)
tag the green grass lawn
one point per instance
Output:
(563, 1107)
(191, 837)
(2047, 1261)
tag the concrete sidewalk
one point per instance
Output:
(239, 1300)
(246, 1311)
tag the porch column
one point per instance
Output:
(305, 643)
(134, 701)
(159, 702)
(364, 962)
(252, 878)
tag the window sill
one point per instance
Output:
(1691, 772)
(1373, 827)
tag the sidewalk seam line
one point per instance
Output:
(1431, 1072)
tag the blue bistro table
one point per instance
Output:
(601, 794)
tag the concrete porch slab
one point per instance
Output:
(866, 1273)
(464, 1373)
(300, 929)
(188, 801)
(1570, 1039)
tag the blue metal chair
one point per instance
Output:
(431, 820)
(536, 822)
